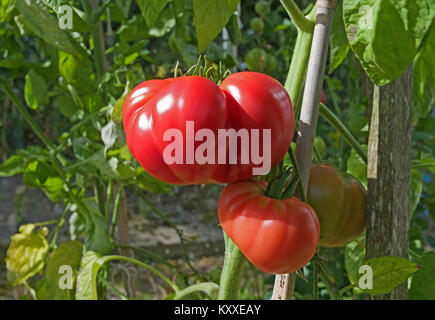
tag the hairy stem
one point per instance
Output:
(231, 271)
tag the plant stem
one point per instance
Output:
(346, 288)
(116, 210)
(231, 272)
(298, 18)
(332, 291)
(59, 225)
(298, 172)
(109, 192)
(26, 115)
(295, 81)
(335, 122)
(210, 288)
(315, 280)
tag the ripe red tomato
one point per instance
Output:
(340, 203)
(277, 236)
(245, 100)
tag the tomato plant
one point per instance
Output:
(70, 128)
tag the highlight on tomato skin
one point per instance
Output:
(339, 200)
(277, 236)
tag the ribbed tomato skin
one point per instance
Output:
(339, 200)
(277, 236)
(246, 100)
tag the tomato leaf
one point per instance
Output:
(423, 282)
(357, 167)
(385, 35)
(151, 9)
(87, 276)
(12, 166)
(42, 175)
(97, 236)
(423, 77)
(208, 25)
(354, 256)
(26, 254)
(6, 8)
(38, 19)
(67, 254)
(388, 273)
(35, 90)
(338, 40)
(78, 72)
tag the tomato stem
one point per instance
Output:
(298, 18)
(295, 81)
(335, 122)
(231, 271)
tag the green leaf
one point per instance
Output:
(423, 282)
(385, 34)
(338, 40)
(38, 19)
(151, 9)
(35, 90)
(12, 166)
(78, 72)
(66, 105)
(26, 253)
(67, 254)
(388, 273)
(426, 161)
(164, 24)
(210, 18)
(97, 230)
(354, 256)
(87, 276)
(423, 77)
(6, 8)
(117, 109)
(357, 167)
(416, 189)
(43, 176)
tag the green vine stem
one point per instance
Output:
(106, 259)
(335, 122)
(294, 83)
(26, 115)
(315, 280)
(231, 271)
(299, 20)
(116, 210)
(210, 288)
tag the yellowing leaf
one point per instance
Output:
(26, 254)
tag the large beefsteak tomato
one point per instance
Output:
(277, 236)
(244, 101)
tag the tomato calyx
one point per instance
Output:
(207, 69)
